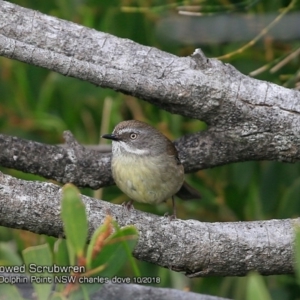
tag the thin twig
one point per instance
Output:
(261, 34)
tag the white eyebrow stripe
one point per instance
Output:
(131, 149)
(126, 129)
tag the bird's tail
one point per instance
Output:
(187, 192)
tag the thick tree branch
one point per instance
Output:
(192, 247)
(91, 168)
(73, 163)
(248, 119)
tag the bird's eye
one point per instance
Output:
(133, 135)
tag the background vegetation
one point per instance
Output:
(39, 105)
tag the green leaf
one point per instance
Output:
(256, 289)
(132, 234)
(8, 291)
(100, 231)
(114, 253)
(61, 258)
(57, 296)
(74, 218)
(297, 253)
(117, 250)
(290, 205)
(8, 257)
(37, 257)
(242, 174)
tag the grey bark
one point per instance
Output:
(193, 247)
(248, 119)
(72, 163)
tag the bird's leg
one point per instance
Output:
(173, 216)
(128, 205)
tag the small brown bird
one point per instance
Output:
(145, 165)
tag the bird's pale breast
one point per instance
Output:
(144, 179)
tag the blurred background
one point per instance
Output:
(39, 105)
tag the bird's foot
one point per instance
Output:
(128, 205)
(170, 217)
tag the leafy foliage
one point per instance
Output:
(73, 266)
(37, 104)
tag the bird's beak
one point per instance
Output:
(110, 137)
